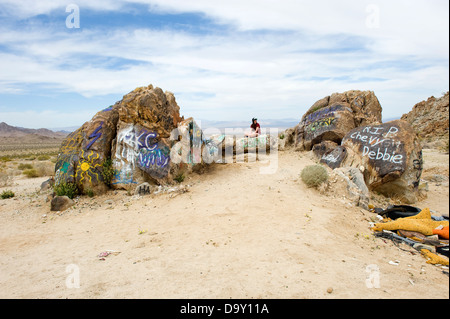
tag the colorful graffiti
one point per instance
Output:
(123, 176)
(154, 160)
(72, 142)
(323, 113)
(322, 123)
(89, 168)
(254, 141)
(139, 148)
(94, 136)
(67, 157)
(380, 145)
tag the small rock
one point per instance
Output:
(47, 184)
(330, 290)
(61, 203)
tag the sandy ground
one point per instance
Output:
(236, 234)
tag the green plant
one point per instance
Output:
(43, 157)
(314, 175)
(7, 194)
(31, 173)
(5, 158)
(66, 189)
(25, 166)
(179, 177)
(89, 192)
(281, 136)
(108, 171)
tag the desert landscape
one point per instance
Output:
(222, 231)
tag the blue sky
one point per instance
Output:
(223, 60)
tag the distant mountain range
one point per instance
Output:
(13, 134)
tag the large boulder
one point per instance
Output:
(331, 118)
(390, 155)
(133, 136)
(83, 152)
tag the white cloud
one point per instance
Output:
(308, 49)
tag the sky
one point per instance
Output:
(63, 61)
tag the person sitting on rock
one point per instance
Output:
(255, 129)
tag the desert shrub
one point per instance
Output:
(89, 192)
(179, 177)
(31, 173)
(314, 175)
(5, 158)
(25, 166)
(66, 189)
(43, 157)
(7, 194)
(5, 178)
(281, 136)
(45, 169)
(108, 171)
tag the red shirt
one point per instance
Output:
(255, 127)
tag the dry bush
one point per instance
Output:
(23, 167)
(314, 175)
(31, 173)
(45, 169)
(40, 169)
(5, 179)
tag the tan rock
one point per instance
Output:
(332, 117)
(391, 155)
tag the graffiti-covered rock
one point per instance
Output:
(133, 135)
(334, 157)
(324, 147)
(331, 118)
(391, 156)
(83, 152)
(151, 108)
(330, 123)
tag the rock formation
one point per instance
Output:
(123, 145)
(143, 140)
(345, 130)
(330, 118)
(391, 157)
(430, 119)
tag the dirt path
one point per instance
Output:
(236, 234)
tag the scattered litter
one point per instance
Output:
(106, 253)
(394, 263)
(416, 228)
(433, 258)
